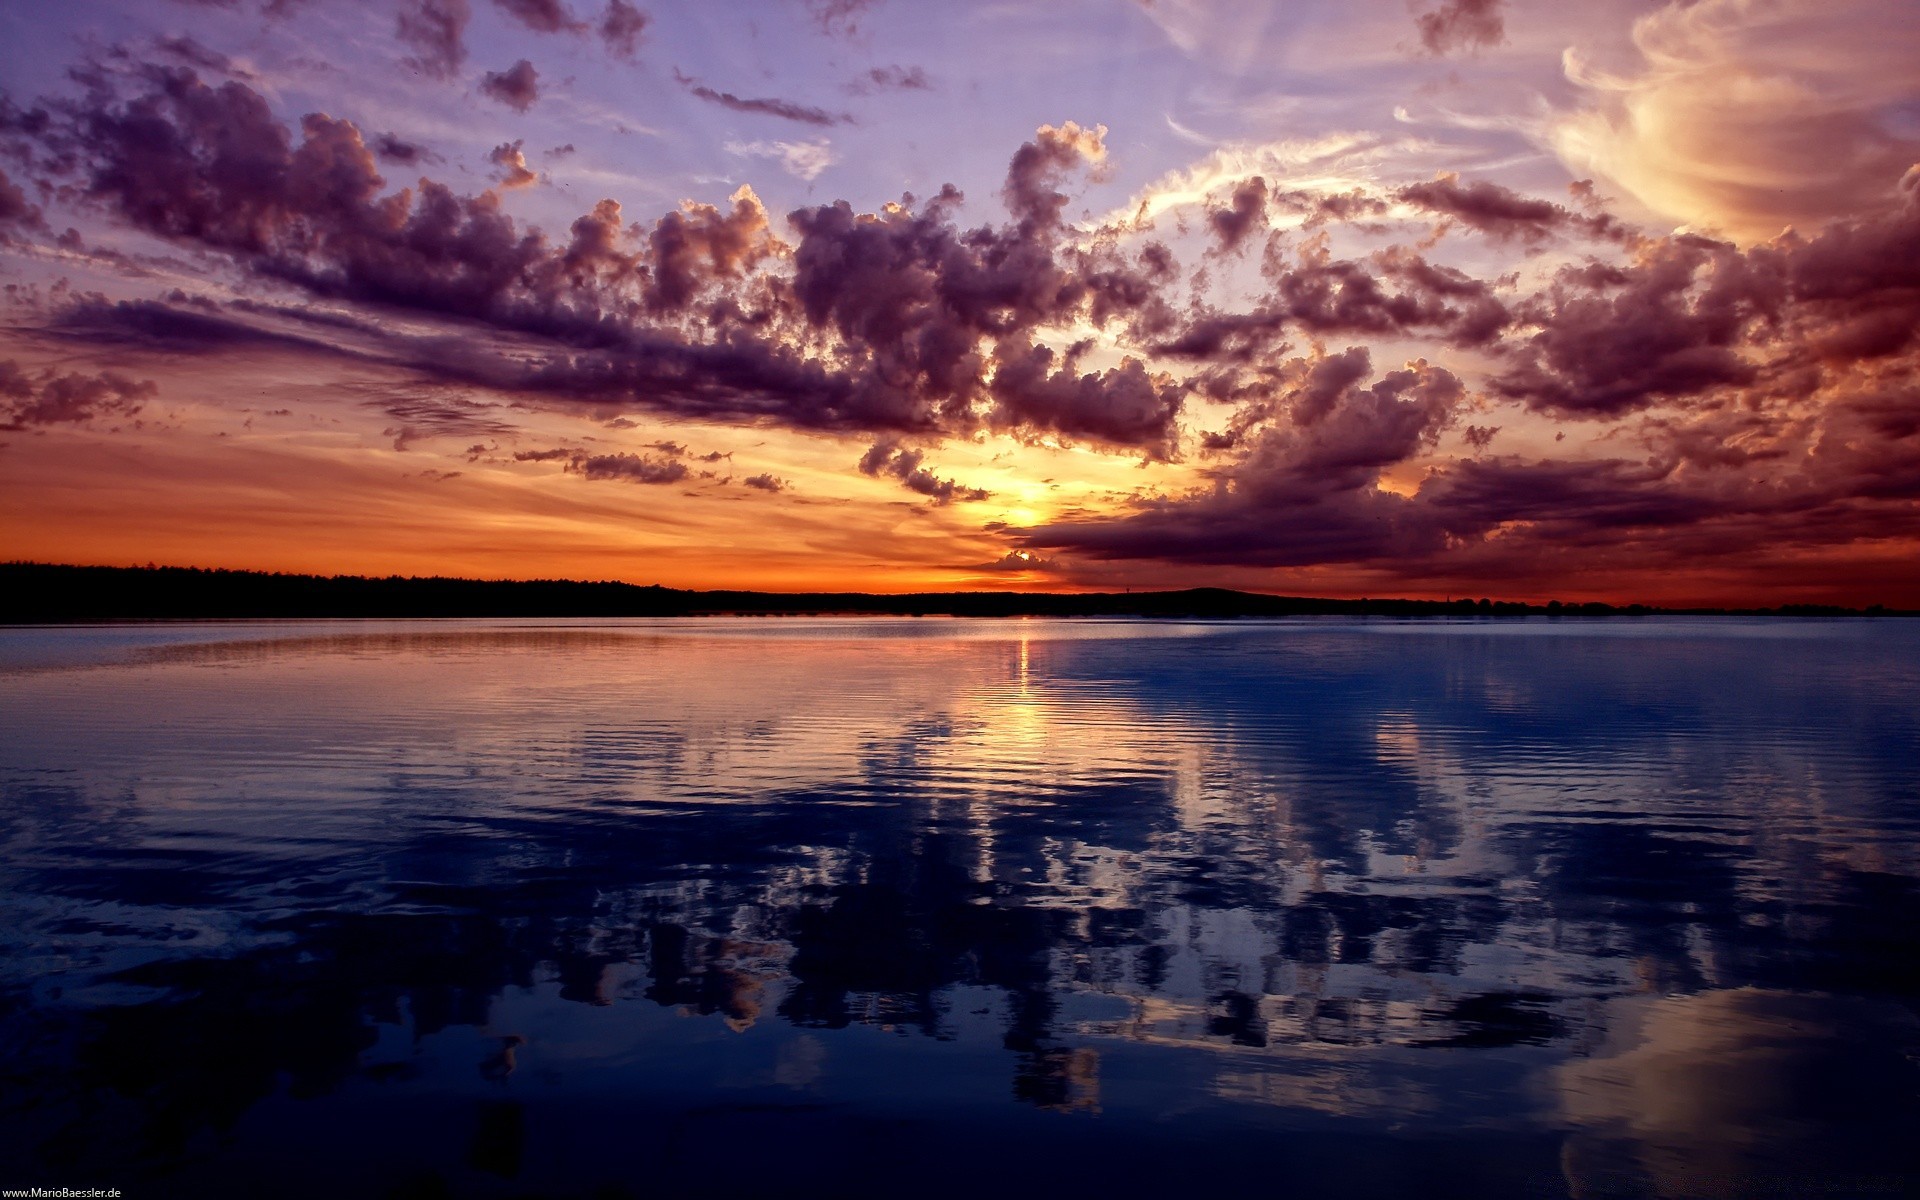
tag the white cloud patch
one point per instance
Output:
(803, 160)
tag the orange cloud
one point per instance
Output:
(1746, 117)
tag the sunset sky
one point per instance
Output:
(1615, 301)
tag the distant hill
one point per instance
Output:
(34, 593)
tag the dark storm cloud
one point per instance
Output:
(436, 32)
(1462, 25)
(786, 110)
(517, 87)
(542, 16)
(54, 397)
(621, 28)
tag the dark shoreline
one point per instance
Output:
(42, 593)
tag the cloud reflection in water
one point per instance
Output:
(1557, 906)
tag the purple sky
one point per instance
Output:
(1609, 301)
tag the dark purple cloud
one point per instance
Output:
(1502, 213)
(188, 52)
(1122, 407)
(436, 31)
(889, 457)
(630, 468)
(1462, 25)
(54, 397)
(1245, 211)
(517, 87)
(15, 208)
(786, 110)
(1769, 389)
(425, 415)
(621, 28)
(395, 149)
(1038, 168)
(892, 79)
(542, 16)
(1671, 326)
(626, 468)
(840, 17)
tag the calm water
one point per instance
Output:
(1014, 908)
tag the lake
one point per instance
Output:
(818, 907)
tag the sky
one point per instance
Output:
(1613, 301)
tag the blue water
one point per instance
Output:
(927, 907)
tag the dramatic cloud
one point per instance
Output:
(1261, 375)
(896, 308)
(698, 244)
(1746, 117)
(517, 87)
(1673, 325)
(1307, 490)
(1784, 375)
(1121, 407)
(1039, 166)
